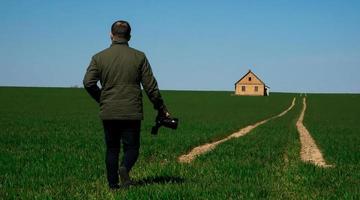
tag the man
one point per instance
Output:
(120, 70)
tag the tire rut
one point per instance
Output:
(195, 152)
(309, 150)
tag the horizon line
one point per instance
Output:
(187, 90)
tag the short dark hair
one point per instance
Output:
(121, 29)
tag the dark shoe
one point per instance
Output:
(124, 177)
(114, 187)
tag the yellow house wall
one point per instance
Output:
(254, 80)
(249, 90)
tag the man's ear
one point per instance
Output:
(111, 36)
(129, 37)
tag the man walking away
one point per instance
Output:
(120, 70)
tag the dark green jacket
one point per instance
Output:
(120, 70)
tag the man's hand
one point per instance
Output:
(167, 114)
(164, 112)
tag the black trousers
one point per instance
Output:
(117, 132)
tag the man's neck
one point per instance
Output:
(119, 41)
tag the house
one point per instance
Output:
(251, 85)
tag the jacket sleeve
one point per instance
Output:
(92, 76)
(150, 86)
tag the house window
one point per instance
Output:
(256, 88)
(243, 88)
(249, 78)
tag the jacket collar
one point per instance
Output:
(121, 41)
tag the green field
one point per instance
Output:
(52, 147)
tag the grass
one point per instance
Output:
(250, 167)
(52, 147)
(334, 122)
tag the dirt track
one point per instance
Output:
(187, 158)
(309, 150)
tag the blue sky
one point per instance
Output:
(293, 46)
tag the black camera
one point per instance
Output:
(164, 121)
